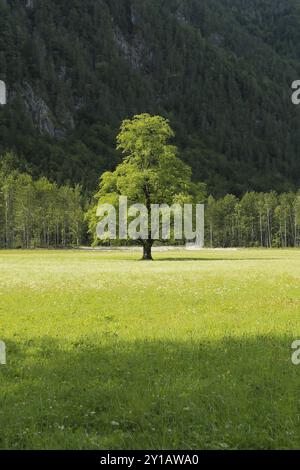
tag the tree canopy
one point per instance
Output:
(151, 172)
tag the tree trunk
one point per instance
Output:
(147, 244)
(261, 231)
(147, 251)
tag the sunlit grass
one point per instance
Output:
(190, 351)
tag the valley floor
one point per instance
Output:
(192, 351)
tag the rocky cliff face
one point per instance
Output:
(39, 111)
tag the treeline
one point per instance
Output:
(38, 213)
(42, 214)
(256, 220)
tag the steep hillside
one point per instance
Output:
(220, 70)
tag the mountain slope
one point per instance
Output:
(220, 70)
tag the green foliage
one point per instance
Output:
(257, 219)
(151, 172)
(219, 70)
(37, 213)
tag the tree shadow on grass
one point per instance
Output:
(217, 259)
(229, 394)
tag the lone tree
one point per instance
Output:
(151, 173)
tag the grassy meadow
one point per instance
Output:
(192, 351)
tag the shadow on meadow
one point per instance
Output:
(235, 393)
(187, 258)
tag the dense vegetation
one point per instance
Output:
(38, 213)
(220, 70)
(41, 214)
(256, 220)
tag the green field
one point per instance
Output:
(192, 351)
